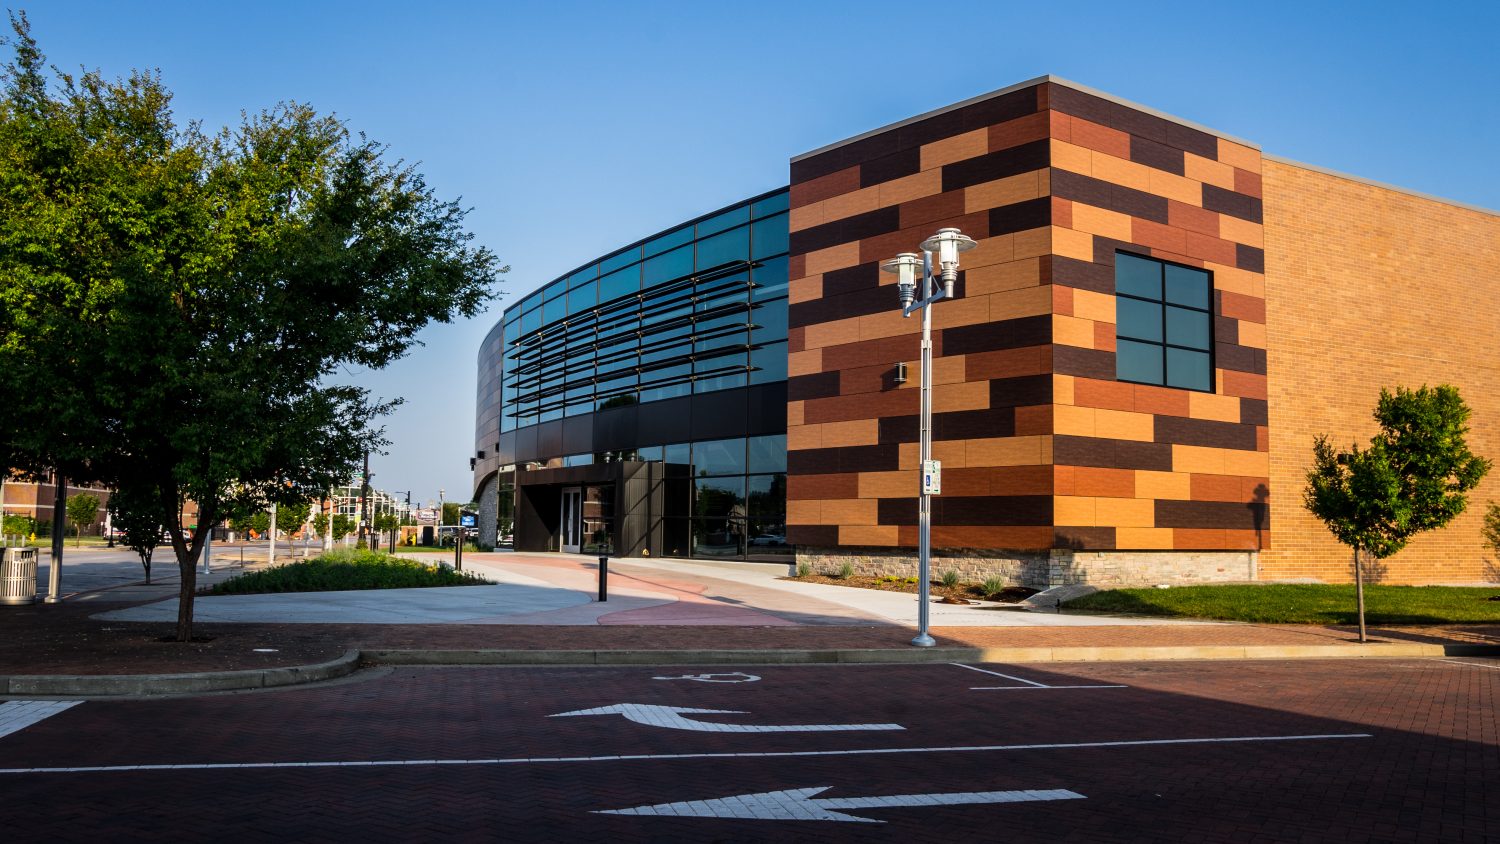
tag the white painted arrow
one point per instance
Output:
(798, 804)
(671, 718)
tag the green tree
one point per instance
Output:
(139, 518)
(343, 526)
(291, 517)
(83, 509)
(450, 512)
(189, 297)
(18, 525)
(1413, 478)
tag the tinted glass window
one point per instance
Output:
(719, 496)
(582, 298)
(620, 283)
(1162, 323)
(719, 457)
(669, 241)
(772, 204)
(770, 278)
(767, 454)
(733, 217)
(674, 264)
(1137, 276)
(724, 248)
(768, 364)
(769, 236)
(624, 259)
(676, 453)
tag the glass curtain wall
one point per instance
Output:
(698, 309)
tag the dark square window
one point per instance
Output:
(1163, 328)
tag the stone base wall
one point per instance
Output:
(489, 513)
(1040, 569)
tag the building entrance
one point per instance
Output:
(570, 529)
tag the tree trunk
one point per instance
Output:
(187, 562)
(1359, 592)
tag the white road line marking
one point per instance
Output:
(800, 804)
(17, 715)
(645, 757)
(998, 674)
(671, 718)
(1475, 664)
(1031, 684)
(1035, 687)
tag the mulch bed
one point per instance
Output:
(965, 591)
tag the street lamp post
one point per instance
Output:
(947, 243)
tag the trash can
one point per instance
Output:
(17, 576)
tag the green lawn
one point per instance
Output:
(1288, 603)
(343, 570)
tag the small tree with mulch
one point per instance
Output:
(1412, 478)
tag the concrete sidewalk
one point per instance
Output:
(561, 589)
(543, 611)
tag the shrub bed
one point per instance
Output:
(1300, 603)
(343, 570)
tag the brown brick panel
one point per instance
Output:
(819, 189)
(1226, 515)
(850, 279)
(1084, 538)
(1186, 431)
(833, 307)
(1254, 412)
(1110, 196)
(957, 425)
(1240, 358)
(992, 112)
(1085, 363)
(994, 336)
(902, 162)
(1126, 119)
(868, 224)
(1152, 154)
(1081, 275)
(1020, 216)
(1008, 363)
(1112, 454)
(847, 156)
(823, 461)
(810, 487)
(1250, 258)
(988, 510)
(1020, 391)
(819, 385)
(997, 165)
(1232, 203)
(881, 350)
(823, 536)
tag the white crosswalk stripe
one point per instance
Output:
(17, 715)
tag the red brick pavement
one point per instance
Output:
(1426, 772)
(64, 640)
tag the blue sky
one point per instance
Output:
(572, 128)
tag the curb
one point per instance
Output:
(873, 656)
(114, 685)
(120, 685)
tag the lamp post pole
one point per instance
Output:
(947, 243)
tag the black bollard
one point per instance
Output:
(603, 578)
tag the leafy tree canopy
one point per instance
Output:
(186, 296)
(1413, 477)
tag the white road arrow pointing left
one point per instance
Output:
(799, 804)
(671, 718)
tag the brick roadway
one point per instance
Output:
(65, 640)
(1425, 773)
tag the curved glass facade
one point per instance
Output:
(650, 355)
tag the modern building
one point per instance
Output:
(1156, 322)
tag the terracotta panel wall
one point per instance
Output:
(852, 431)
(1041, 446)
(1370, 287)
(1144, 467)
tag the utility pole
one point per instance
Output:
(364, 507)
(270, 555)
(59, 513)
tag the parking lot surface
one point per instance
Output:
(1311, 750)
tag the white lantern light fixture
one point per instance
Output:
(947, 243)
(905, 266)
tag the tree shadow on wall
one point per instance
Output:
(1260, 513)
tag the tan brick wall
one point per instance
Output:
(1368, 287)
